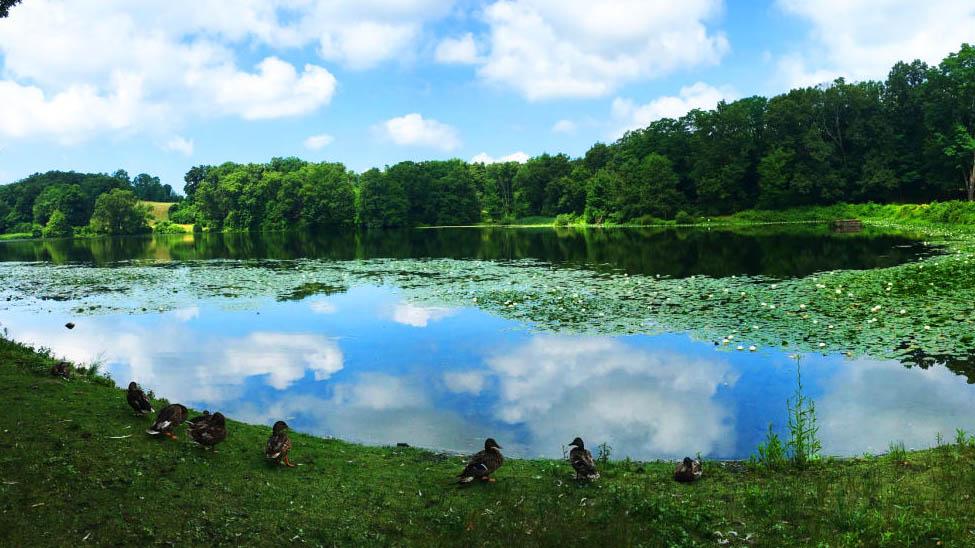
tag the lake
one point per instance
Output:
(441, 337)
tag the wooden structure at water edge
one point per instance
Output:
(847, 225)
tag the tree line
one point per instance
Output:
(61, 203)
(909, 138)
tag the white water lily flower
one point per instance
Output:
(752, 348)
(903, 311)
(839, 291)
(821, 345)
(802, 307)
(740, 347)
(775, 286)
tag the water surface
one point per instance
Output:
(368, 362)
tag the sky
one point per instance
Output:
(158, 86)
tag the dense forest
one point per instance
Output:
(910, 138)
(57, 203)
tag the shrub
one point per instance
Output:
(57, 226)
(897, 452)
(168, 227)
(565, 219)
(804, 444)
(648, 220)
(684, 218)
(771, 452)
(183, 213)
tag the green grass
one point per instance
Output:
(159, 210)
(16, 236)
(65, 478)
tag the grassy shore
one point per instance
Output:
(76, 466)
(936, 213)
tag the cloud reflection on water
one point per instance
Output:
(870, 404)
(640, 402)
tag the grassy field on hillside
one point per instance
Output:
(159, 210)
(76, 466)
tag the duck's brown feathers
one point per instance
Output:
(481, 465)
(137, 400)
(688, 471)
(582, 463)
(168, 419)
(278, 446)
(210, 431)
(61, 369)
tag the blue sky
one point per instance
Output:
(154, 86)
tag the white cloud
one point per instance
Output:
(461, 50)
(284, 357)
(575, 48)
(464, 382)
(186, 314)
(697, 96)
(564, 126)
(180, 144)
(322, 306)
(485, 158)
(76, 113)
(640, 402)
(318, 142)
(75, 70)
(870, 404)
(215, 370)
(276, 90)
(415, 130)
(862, 39)
(419, 316)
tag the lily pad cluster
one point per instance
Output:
(921, 313)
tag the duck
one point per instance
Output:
(61, 369)
(209, 432)
(279, 444)
(483, 463)
(688, 471)
(581, 460)
(199, 419)
(137, 399)
(167, 420)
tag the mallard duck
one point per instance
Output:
(61, 369)
(167, 420)
(483, 463)
(279, 444)
(209, 432)
(137, 399)
(204, 417)
(581, 460)
(688, 470)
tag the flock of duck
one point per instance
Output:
(208, 430)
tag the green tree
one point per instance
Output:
(647, 187)
(57, 226)
(598, 193)
(961, 149)
(119, 212)
(382, 200)
(65, 198)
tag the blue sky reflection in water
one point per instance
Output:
(370, 366)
